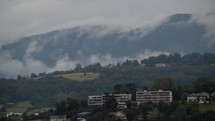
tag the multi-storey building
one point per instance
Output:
(99, 100)
(153, 96)
(95, 100)
(122, 99)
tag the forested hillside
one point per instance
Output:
(43, 89)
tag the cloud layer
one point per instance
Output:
(27, 17)
(10, 67)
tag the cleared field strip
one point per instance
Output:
(81, 76)
(20, 107)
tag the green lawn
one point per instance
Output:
(206, 107)
(81, 77)
(20, 107)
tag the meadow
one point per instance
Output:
(81, 76)
(20, 107)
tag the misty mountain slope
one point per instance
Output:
(179, 33)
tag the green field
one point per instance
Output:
(20, 107)
(206, 107)
(81, 77)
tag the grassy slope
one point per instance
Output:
(81, 77)
(20, 107)
(206, 107)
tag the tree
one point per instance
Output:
(130, 115)
(209, 116)
(145, 108)
(163, 107)
(111, 103)
(33, 75)
(203, 85)
(117, 88)
(19, 77)
(61, 108)
(128, 104)
(78, 67)
(163, 84)
(180, 114)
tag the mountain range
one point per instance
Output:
(90, 44)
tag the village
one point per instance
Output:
(123, 101)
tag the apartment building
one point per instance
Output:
(95, 100)
(122, 99)
(153, 96)
(99, 100)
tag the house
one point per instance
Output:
(213, 96)
(34, 112)
(117, 115)
(160, 65)
(198, 97)
(15, 118)
(48, 109)
(58, 118)
(153, 96)
(142, 65)
(109, 66)
(81, 119)
(83, 116)
(13, 114)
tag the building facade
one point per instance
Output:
(99, 100)
(198, 97)
(95, 100)
(58, 118)
(121, 100)
(153, 96)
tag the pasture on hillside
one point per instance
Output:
(20, 107)
(206, 107)
(81, 76)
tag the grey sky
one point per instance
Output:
(20, 18)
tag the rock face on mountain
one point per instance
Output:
(177, 34)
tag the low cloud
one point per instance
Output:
(10, 67)
(208, 21)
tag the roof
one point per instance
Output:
(198, 94)
(213, 94)
(57, 116)
(84, 113)
(31, 112)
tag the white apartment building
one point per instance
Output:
(122, 97)
(95, 100)
(99, 100)
(121, 100)
(153, 96)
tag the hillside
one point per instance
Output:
(52, 88)
(90, 44)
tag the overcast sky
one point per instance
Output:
(19, 18)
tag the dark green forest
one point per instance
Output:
(49, 88)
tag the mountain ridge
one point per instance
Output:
(80, 44)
